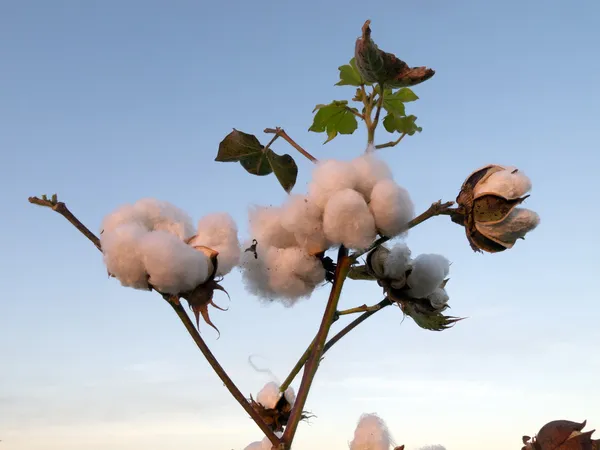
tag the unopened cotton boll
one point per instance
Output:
(173, 266)
(369, 170)
(265, 226)
(397, 262)
(160, 215)
(392, 208)
(329, 177)
(219, 232)
(305, 219)
(122, 254)
(428, 272)
(347, 220)
(371, 434)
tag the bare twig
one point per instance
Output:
(358, 309)
(391, 143)
(329, 316)
(280, 132)
(62, 209)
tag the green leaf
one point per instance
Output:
(393, 103)
(376, 66)
(393, 123)
(406, 95)
(334, 118)
(349, 75)
(285, 169)
(251, 154)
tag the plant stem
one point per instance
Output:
(62, 209)
(356, 113)
(358, 309)
(310, 370)
(302, 361)
(435, 209)
(280, 132)
(391, 143)
(373, 125)
(229, 384)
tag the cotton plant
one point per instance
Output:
(337, 229)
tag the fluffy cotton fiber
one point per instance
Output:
(281, 274)
(122, 254)
(266, 228)
(269, 395)
(329, 177)
(347, 220)
(392, 208)
(397, 262)
(219, 232)
(369, 170)
(305, 219)
(428, 272)
(371, 434)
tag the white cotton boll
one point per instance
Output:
(122, 256)
(122, 215)
(392, 208)
(329, 177)
(347, 220)
(397, 262)
(160, 215)
(290, 395)
(509, 183)
(305, 219)
(269, 395)
(219, 232)
(371, 434)
(370, 170)
(255, 274)
(173, 266)
(428, 272)
(265, 226)
(293, 273)
(439, 298)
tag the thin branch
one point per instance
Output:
(280, 132)
(358, 309)
(62, 209)
(379, 105)
(329, 316)
(343, 332)
(391, 143)
(222, 374)
(356, 113)
(436, 209)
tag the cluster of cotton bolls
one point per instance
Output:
(348, 203)
(421, 277)
(154, 243)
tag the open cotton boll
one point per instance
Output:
(370, 170)
(392, 208)
(265, 226)
(255, 274)
(122, 256)
(347, 220)
(219, 232)
(160, 215)
(270, 395)
(371, 434)
(305, 219)
(397, 262)
(122, 215)
(428, 272)
(173, 266)
(329, 177)
(510, 183)
(439, 298)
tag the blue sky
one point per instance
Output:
(108, 102)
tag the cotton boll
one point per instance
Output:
(371, 434)
(122, 215)
(255, 274)
(173, 266)
(509, 183)
(305, 219)
(122, 256)
(428, 272)
(397, 262)
(293, 273)
(347, 220)
(219, 232)
(439, 298)
(160, 215)
(370, 170)
(269, 395)
(329, 177)
(392, 208)
(290, 396)
(265, 226)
